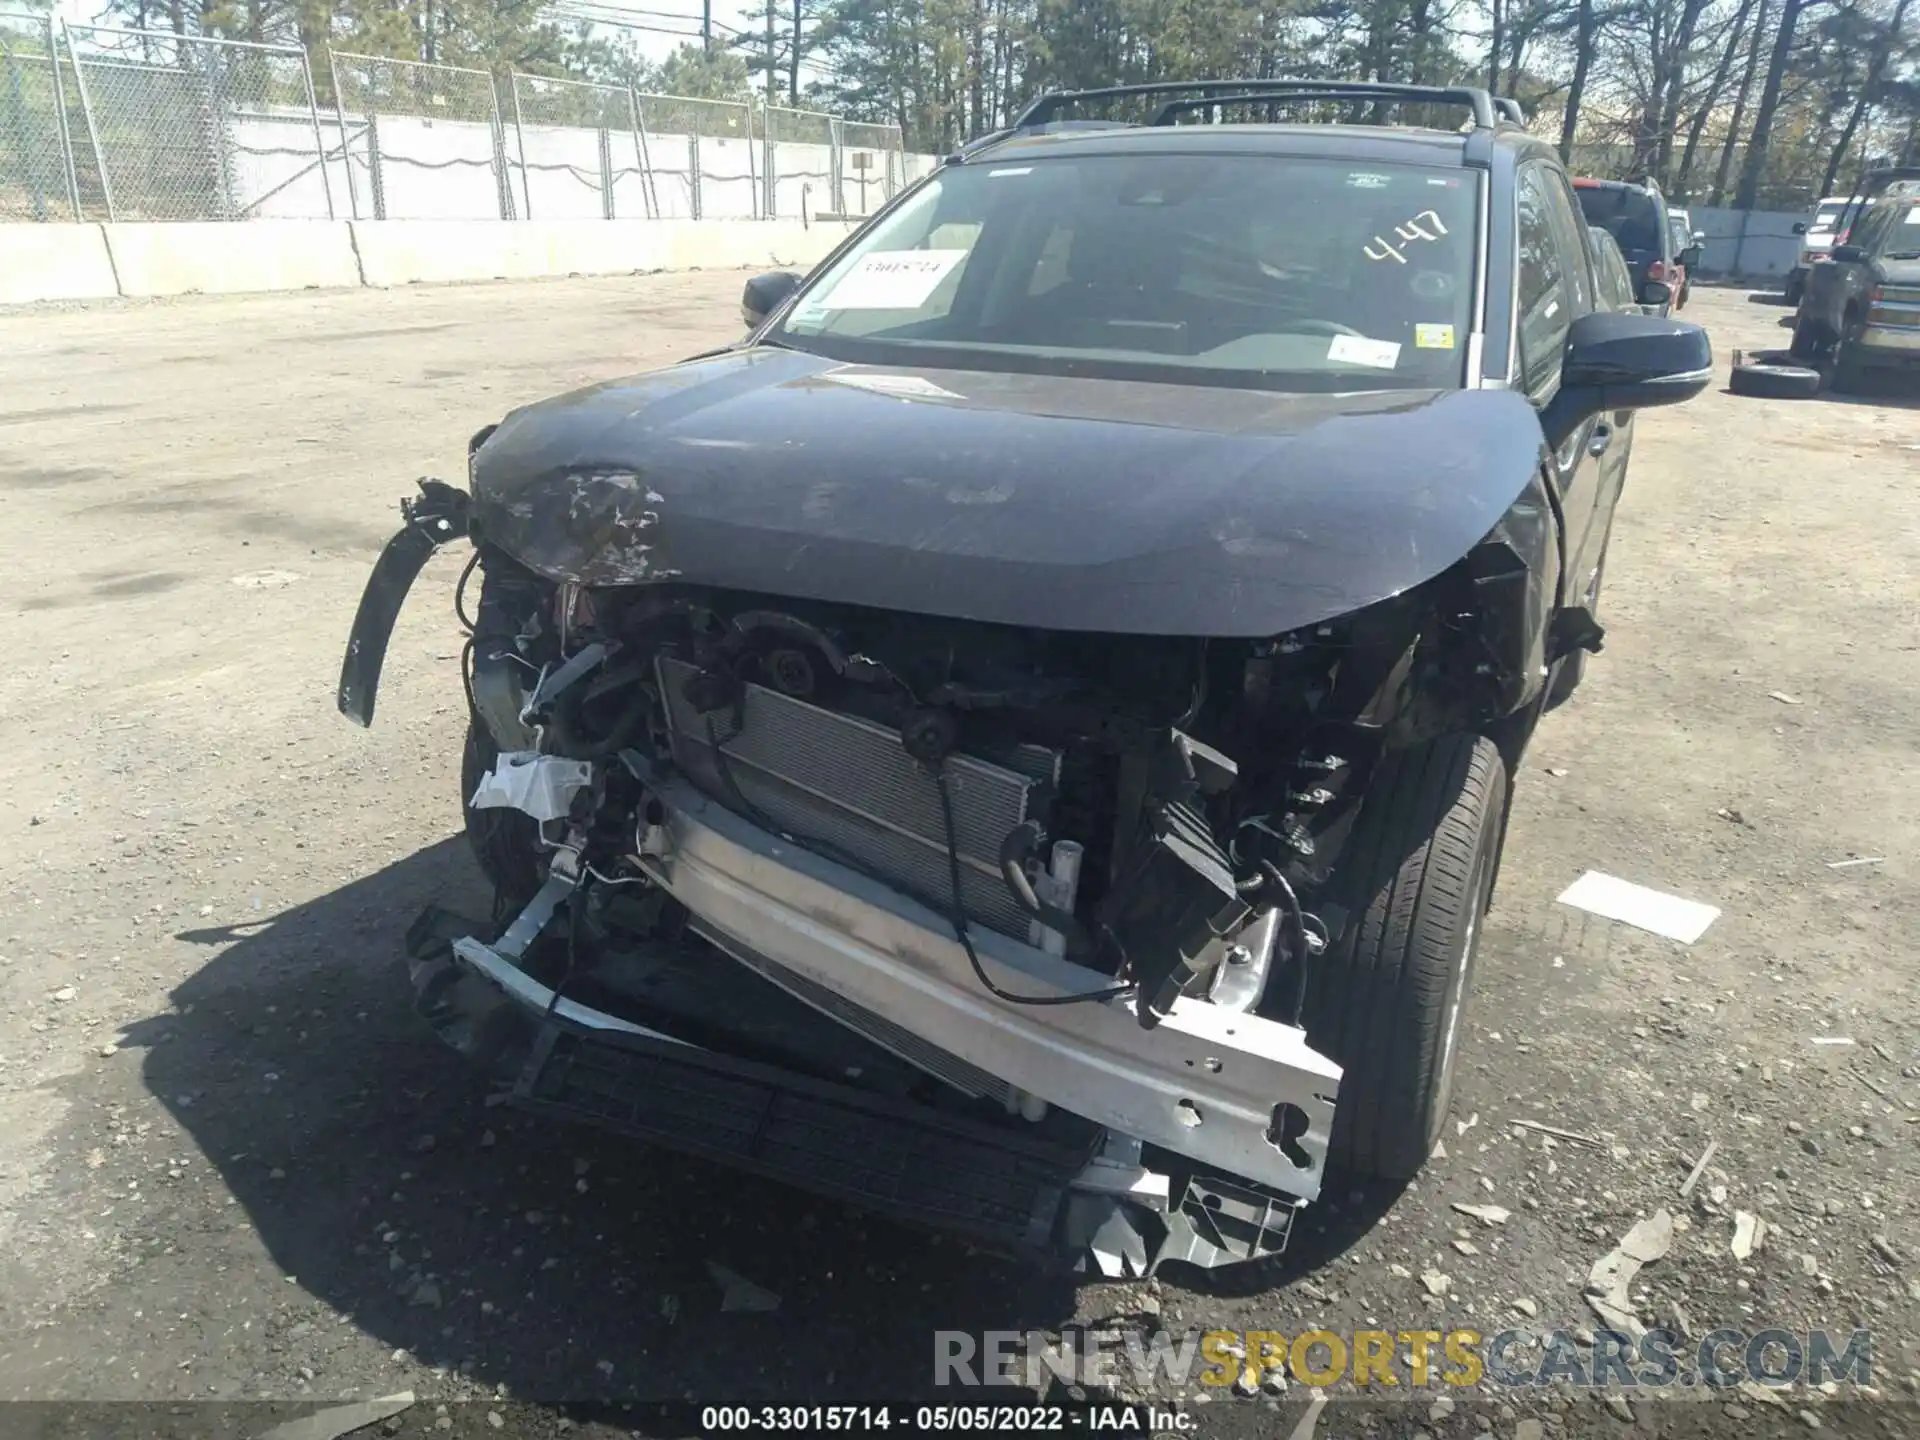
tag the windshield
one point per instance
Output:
(1827, 217)
(1264, 271)
(1631, 216)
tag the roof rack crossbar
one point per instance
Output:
(1510, 108)
(1478, 101)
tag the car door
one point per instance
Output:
(1556, 287)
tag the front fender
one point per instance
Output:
(438, 517)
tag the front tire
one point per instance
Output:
(1386, 999)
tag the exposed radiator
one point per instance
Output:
(848, 784)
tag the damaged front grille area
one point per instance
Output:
(843, 782)
(831, 1139)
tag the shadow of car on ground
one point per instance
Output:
(560, 1262)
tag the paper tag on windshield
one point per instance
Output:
(1913, 216)
(892, 280)
(1433, 337)
(1359, 350)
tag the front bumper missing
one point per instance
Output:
(1119, 1212)
(1230, 1091)
(1106, 1213)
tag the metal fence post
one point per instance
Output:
(693, 174)
(346, 141)
(93, 132)
(753, 166)
(320, 145)
(649, 198)
(520, 144)
(376, 181)
(771, 148)
(60, 120)
(606, 175)
(836, 166)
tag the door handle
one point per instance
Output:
(1601, 438)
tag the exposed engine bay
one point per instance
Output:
(1071, 791)
(1003, 927)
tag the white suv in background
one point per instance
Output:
(1818, 234)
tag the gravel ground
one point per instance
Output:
(235, 1171)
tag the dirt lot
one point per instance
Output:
(233, 1167)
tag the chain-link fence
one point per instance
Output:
(192, 128)
(580, 150)
(872, 167)
(98, 123)
(421, 142)
(703, 157)
(37, 176)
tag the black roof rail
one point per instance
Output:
(1478, 101)
(1509, 109)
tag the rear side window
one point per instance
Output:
(1632, 217)
(1544, 314)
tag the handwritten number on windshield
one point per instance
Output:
(1427, 225)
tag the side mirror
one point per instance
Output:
(1848, 254)
(1799, 227)
(765, 294)
(1616, 361)
(1656, 293)
(1690, 257)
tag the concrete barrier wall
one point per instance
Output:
(223, 258)
(401, 252)
(93, 262)
(54, 262)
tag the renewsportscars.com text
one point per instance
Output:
(1416, 1358)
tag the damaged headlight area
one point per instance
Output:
(1004, 929)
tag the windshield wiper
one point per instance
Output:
(1903, 255)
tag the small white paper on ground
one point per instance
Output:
(1359, 350)
(892, 280)
(1636, 905)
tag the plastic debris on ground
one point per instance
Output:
(1609, 1286)
(1646, 909)
(739, 1293)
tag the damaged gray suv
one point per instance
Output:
(1022, 742)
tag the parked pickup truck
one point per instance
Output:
(1861, 306)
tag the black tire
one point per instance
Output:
(1846, 371)
(1795, 288)
(1385, 1000)
(1809, 340)
(1775, 382)
(503, 841)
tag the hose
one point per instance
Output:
(1015, 851)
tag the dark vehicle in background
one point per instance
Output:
(1614, 281)
(1687, 246)
(1022, 741)
(1860, 307)
(1636, 216)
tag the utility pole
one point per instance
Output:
(706, 26)
(773, 73)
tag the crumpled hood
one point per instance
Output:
(1075, 504)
